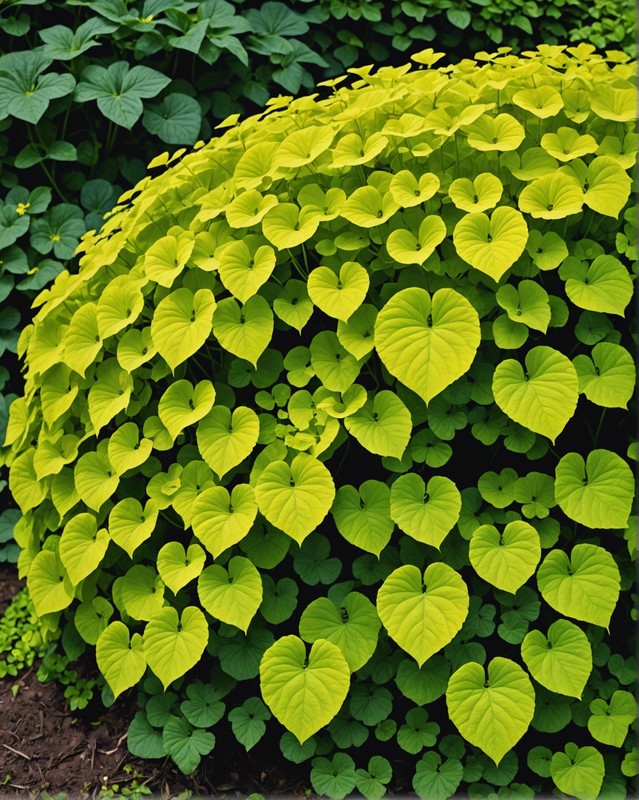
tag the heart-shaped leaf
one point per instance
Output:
(338, 295)
(562, 661)
(382, 425)
(584, 586)
(352, 625)
(244, 330)
(121, 660)
(297, 498)
(182, 405)
(491, 244)
(177, 567)
(579, 771)
(182, 323)
(225, 439)
(405, 248)
(304, 693)
(245, 265)
(607, 376)
(82, 546)
(427, 343)
(491, 712)
(597, 493)
(609, 721)
(363, 516)
(542, 398)
(49, 586)
(507, 559)
(423, 616)
(130, 524)
(427, 513)
(526, 304)
(232, 595)
(172, 645)
(221, 519)
(605, 286)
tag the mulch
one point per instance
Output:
(45, 747)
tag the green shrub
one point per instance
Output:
(339, 377)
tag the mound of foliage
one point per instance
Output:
(328, 434)
(80, 116)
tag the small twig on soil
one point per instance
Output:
(17, 752)
(17, 786)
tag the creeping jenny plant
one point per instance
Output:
(267, 355)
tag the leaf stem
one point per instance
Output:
(45, 169)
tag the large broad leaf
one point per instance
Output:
(584, 586)
(597, 493)
(178, 567)
(221, 519)
(27, 490)
(543, 397)
(49, 585)
(560, 661)
(130, 524)
(120, 659)
(304, 693)
(352, 625)
(244, 331)
(110, 393)
(427, 513)
(243, 270)
(225, 439)
(297, 498)
(126, 450)
(338, 295)
(491, 712)
(363, 516)
(423, 616)
(579, 771)
(94, 477)
(507, 559)
(607, 376)
(383, 425)
(182, 405)
(427, 343)
(182, 323)
(609, 721)
(605, 286)
(167, 257)
(140, 592)
(232, 595)
(491, 244)
(172, 645)
(82, 546)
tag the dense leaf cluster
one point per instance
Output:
(254, 453)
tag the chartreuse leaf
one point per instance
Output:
(480, 194)
(182, 404)
(491, 244)
(338, 295)
(560, 661)
(423, 616)
(140, 591)
(567, 143)
(610, 720)
(244, 211)
(501, 133)
(286, 226)
(49, 586)
(491, 712)
(130, 524)
(507, 559)
(578, 771)
(234, 595)
(408, 191)
(382, 425)
(82, 546)
(584, 586)
(427, 513)
(607, 377)
(177, 567)
(352, 625)
(293, 305)
(245, 265)
(110, 394)
(120, 304)
(607, 186)
(120, 659)
(405, 248)
(166, 258)
(295, 498)
(605, 286)
(82, 340)
(135, 348)
(597, 493)
(542, 398)
(427, 343)
(526, 304)
(221, 519)
(335, 367)
(356, 335)
(552, 196)
(95, 479)
(182, 323)
(225, 439)
(26, 489)
(172, 645)
(547, 250)
(363, 516)
(244, 331)
(304, 693)
(126, 450)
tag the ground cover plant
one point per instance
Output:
(80, 116)
(328, 436)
